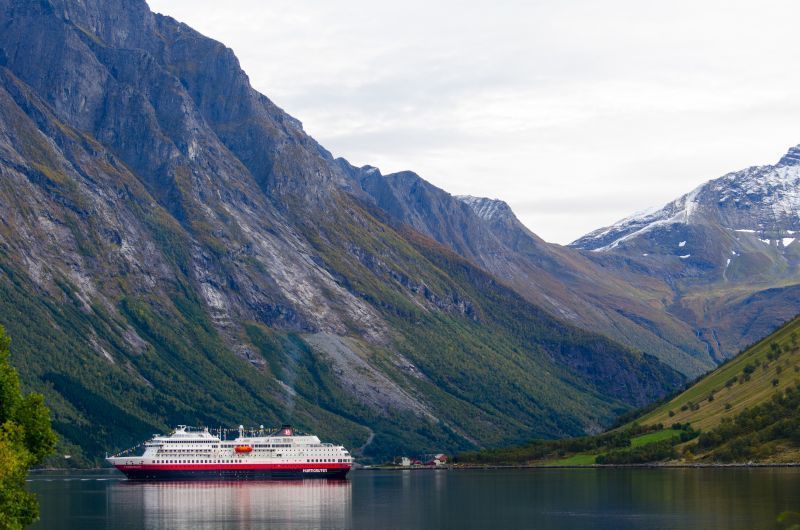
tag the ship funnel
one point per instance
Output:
(286, 430)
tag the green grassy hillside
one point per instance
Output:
(770, 366)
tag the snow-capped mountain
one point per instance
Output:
(728, 250)
(761, 200)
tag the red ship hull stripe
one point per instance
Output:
(231, 467)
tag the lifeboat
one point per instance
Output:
(243, 448)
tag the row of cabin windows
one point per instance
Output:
(260, 445)
(231, 444)
(195, 461)
(188, 451)
(315, 460)
(184, 441)
(224, 445)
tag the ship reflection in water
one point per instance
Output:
(242, 504)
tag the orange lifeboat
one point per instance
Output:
(243, 448)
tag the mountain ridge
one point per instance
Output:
(567, 283)
(175, 249)
(747, 186)
(725, 250)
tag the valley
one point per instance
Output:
(176, 249)
(745, 411)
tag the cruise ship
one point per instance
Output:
(190, 454)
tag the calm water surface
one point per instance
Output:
(383, 500)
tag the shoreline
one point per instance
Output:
(490, 467)
(592, 466)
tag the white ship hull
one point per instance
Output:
(198, 455)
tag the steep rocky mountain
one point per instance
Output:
(727, 251)
(565, 282)
(175, 249)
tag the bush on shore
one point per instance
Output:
(26, 438)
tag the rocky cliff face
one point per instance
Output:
(175, 249)
(562, 280)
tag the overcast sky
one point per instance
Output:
(576, 113)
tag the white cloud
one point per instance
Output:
(575, 112)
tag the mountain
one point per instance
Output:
(758, 201)
(562, 280)
(174, 248)
(727, 252)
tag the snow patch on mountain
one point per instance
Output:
(792, 158)
(679, 211)
(771, 189)
(487, 209)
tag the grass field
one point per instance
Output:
(581, 459)
(589, 458)
(653, 437)
(749, 379)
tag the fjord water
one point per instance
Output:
(533, 498)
